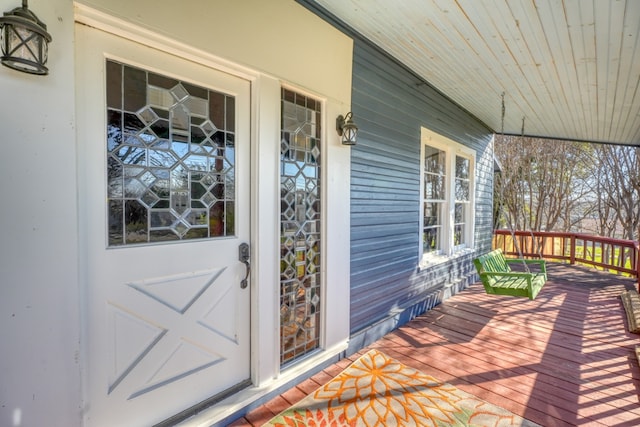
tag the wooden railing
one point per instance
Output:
(614, 255)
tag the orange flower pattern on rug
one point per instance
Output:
(378, 391)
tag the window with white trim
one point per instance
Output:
(447, 189)
(462, 201)
(434, 179)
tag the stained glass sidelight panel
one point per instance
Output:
(300, 290)
(170, 158)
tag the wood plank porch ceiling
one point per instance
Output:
(569, 68)
(564, 359)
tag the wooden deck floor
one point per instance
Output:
(564, 359)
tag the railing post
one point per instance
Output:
(636, 247)
(573, 249)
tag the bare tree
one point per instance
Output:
(618, 189)
(544, 184)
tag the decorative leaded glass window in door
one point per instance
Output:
(300, 219)
(170, 158)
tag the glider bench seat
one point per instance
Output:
(498, 278)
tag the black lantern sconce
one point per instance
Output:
(25, 41)
(347, 129)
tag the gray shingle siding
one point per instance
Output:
(390, 106)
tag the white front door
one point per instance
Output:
(164, 169)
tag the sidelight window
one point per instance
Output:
(300, 225)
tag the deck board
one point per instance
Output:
(564, 359)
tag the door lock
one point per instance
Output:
(243, 257)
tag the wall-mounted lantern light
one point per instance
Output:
(347, 129)
(25, 41)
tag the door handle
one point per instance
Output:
(243, 257)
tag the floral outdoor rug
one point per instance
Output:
(377, 390)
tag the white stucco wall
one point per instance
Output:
(277, 37)
(39, 373)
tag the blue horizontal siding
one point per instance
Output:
(390, 106)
